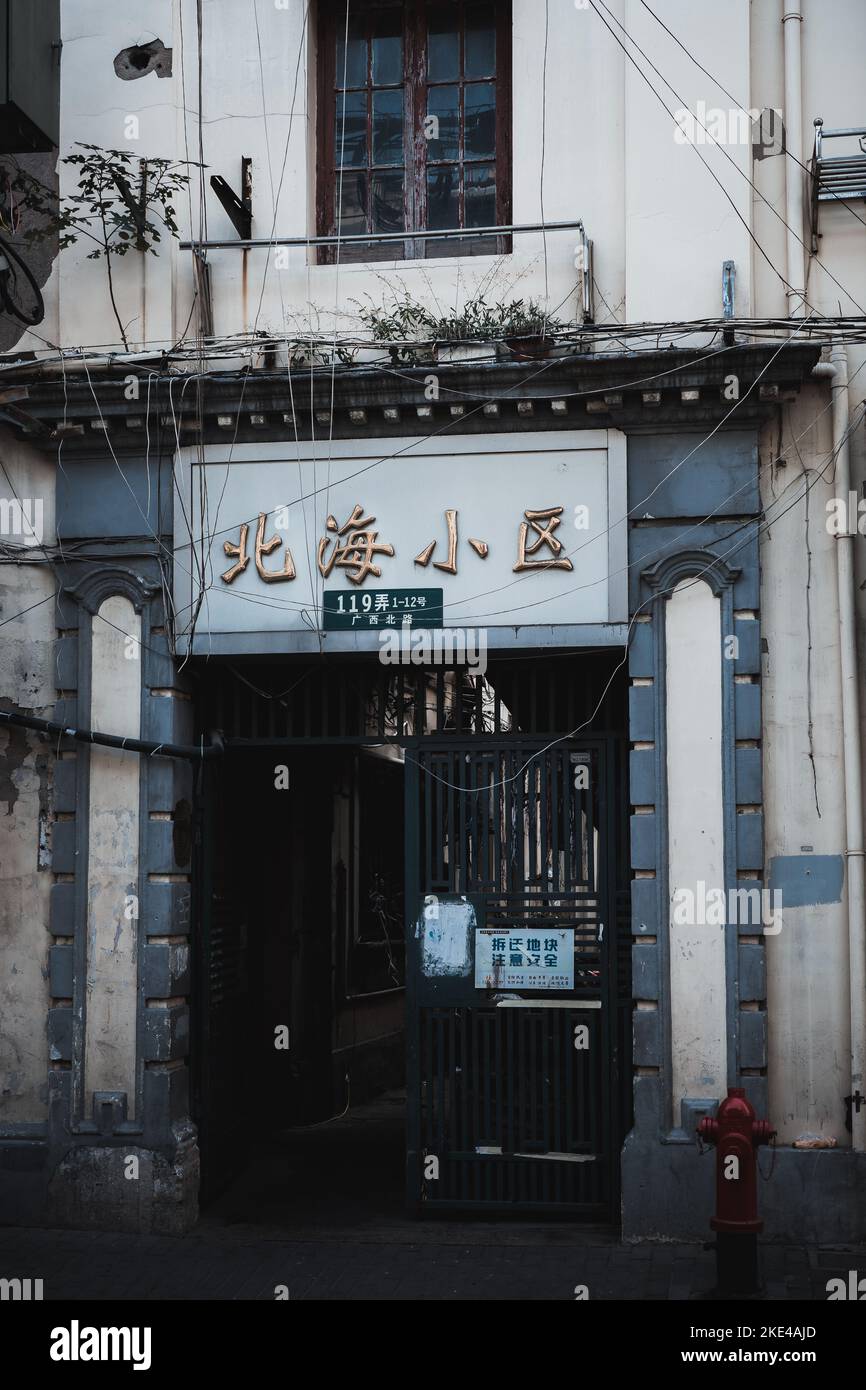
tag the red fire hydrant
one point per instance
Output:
(736, 1132)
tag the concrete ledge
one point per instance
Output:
(811, 1195)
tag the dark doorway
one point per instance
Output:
(321, 832)
(301, 968)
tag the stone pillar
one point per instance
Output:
(123, 1152)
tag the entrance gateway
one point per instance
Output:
(512, 850)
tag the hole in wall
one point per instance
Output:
(141, 58)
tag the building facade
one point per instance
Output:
(432, 603)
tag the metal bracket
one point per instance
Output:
(240, 210)
(729, 274)
(854, 1101)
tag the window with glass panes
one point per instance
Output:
(414, 126)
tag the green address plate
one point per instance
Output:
(360, 609)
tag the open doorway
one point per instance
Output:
(302, 976)
(327, 1071)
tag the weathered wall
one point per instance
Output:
(26, 786)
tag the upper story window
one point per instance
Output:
(414, 129)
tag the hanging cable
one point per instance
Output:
(9, 259)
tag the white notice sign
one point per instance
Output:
(519, 959)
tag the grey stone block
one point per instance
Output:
(644, 907)
(645, 971)
(643, 842)
(748, 773)
(166, 1033)
(750, 841)
(166, 970)
(169, 780)
(159, 666)
(753, 1038)
(166, 1096)
(66, 611)
(65, 785)
(748, 634)
(66, 663)
(641, 652)
(62, 909)
(753, 973)
(60, 966)
(64, 859)
(169, 847)
(641, 713)
(167, 719)
(167, 909)
(747, 706)
(65, 712)
(642, 777)
(647, 1037)
(60, 1034)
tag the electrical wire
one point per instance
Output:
(791, 288)
(722, 88)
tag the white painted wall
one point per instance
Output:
(112, 868)
(808, 961)
(661, 227)
(696, 841)
(803, 784)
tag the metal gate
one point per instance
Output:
(513, 1095)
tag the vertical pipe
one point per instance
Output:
(792, 19)
(851, 748)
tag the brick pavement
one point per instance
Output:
(321, 1212)
(470, 1261)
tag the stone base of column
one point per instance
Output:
(99, 1188)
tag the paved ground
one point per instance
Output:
(321, 1213)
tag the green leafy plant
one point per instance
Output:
(402, 320)
(302, 353)
(122, 204)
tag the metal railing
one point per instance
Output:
(582, 258)
(841, 175)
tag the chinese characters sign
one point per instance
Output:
(517, 532)
(382, 608)
(533, 959)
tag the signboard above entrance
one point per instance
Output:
(524, 535)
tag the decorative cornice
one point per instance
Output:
(656, 390)
(104, 582)
(665, 574)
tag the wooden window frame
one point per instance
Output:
(331, 22)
